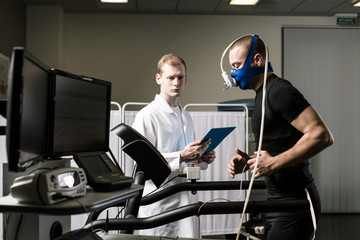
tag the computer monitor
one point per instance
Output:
(80, 115)
(27, 108)
(53, 113)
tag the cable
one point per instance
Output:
(30, 162)
(114, 159)
(18, 226)
(211, 200)
(249, 235)
(38, 169)
(260, 143)
(241, 182)
(5, 224)
(214, 199)
(59, 195)
(10, 217)
(119, 212)
(231, 83)
(134, 169)
(179, 175)
(312, 212)
(242, 232)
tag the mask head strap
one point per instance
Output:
(251, 51)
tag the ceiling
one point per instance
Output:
(218, 7)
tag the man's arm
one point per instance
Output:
(316, 138)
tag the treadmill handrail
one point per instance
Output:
(199, 186)
(198, 209)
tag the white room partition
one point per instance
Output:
(128, 117)
(114, 141)
(203, 121)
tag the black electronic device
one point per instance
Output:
(49, 186)
(80, 117)
(102, 173)
(53, 113)
(142, 151)
(27, 107)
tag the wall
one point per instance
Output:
(124, 49)
(12, 23)
(44, 34)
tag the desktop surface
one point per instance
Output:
(92, 201)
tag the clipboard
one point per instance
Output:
(217, 135)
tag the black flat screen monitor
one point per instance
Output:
(27, 108)
(81, 114)
(53, 113)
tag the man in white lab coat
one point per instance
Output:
(170, 128)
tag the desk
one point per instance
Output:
(93, 201)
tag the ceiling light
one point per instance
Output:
(243, 2)
(356, 3)
(114, 1)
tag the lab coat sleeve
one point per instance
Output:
(144, 125)
(173, 159)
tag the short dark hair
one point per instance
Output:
(246, 41)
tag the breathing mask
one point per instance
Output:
(242, 77)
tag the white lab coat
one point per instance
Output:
(170, 134)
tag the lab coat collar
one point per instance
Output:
(159, 99)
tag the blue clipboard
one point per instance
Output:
(217, 135)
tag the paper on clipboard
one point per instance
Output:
(217, 135)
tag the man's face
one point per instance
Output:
(172, 81)
(245, 75)
(237, 57)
